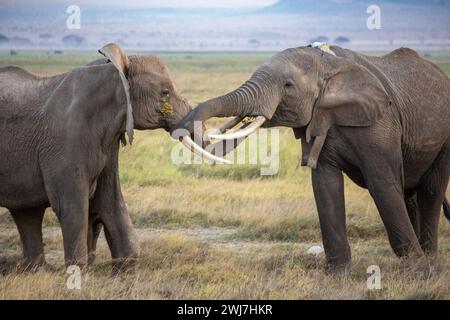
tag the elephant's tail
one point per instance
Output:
(446, 206)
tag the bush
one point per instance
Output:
(3, 39)
(73, 41)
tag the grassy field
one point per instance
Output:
(219, 232)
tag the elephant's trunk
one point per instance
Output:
(256, 97)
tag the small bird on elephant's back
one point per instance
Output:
(383, 121)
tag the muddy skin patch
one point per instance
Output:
(166, 108)
(248, 120)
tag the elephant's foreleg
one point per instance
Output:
(430, 197)
(70, 203)
(328, 188)
(29, 225)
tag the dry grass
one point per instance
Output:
(176, 266)
(219, 232)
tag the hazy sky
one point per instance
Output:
(143, 3)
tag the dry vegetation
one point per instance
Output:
(219, 232)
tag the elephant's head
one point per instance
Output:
(300, 88)
(153, 101)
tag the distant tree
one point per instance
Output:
(13, 52)
(254, 43)
(45, 36)
(341, 40)
(3, 39)
(20, 42)
(73, 41)
(319, 39)
(58, 52)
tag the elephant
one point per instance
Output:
(383, 121)
(60, 139)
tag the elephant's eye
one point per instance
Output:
(288, 84)
(166, 92)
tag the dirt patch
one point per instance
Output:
(221, 238)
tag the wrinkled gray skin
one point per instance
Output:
(385, 122)
(59, 146)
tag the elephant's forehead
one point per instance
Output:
(148, 64)
(277, 64)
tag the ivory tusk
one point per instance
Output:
(258, 122)
(191, 145)
(228, 125)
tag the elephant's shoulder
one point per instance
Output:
(98, 62)
(94, 73)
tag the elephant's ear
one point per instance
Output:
(117, 56)
(120, 60)
(351, 96)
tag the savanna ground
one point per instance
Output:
(223, 231)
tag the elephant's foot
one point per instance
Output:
(422, 266)
(91, 259)
(338, 269)
(35, 265)
(338, 263)
(125, 265)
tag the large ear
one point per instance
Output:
(120, 60)
(351, 96)
(117, 56)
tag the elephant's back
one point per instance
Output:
(415, 77)
(420, 90)
(22, 93)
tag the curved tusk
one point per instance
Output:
(191, 145)
(258, 122)
(226, 126)
(230, 124)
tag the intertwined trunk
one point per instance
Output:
(259, 96)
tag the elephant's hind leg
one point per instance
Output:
(430, 197)
(414, 213)
(109, 204)
(95, 227)
(384, 181)
(29, 225)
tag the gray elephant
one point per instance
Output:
(60, 145)
(384, 121)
